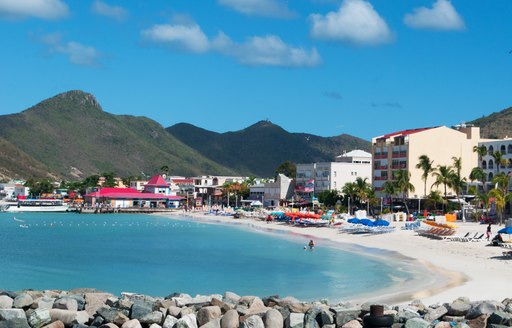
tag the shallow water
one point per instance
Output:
(159, 256)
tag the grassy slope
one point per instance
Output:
(495, 126)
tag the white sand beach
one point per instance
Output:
(469, 269)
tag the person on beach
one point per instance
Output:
(311, 244)
(488, 233)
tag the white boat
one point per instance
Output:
(36, 205)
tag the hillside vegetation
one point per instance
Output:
(495, 126)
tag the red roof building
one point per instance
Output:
(128, 197)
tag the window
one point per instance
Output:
(509, 149)
(491, 150)
(335, 175)
(490, 177)
(503, 149)
(484, 165)
(491, 165)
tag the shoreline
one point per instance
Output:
(445, 270)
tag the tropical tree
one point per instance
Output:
(444, 176)
(287, 168)
(38, 187)
(425, 164)
(458, 183)
(500, 192)
(478, 174)
(404, 185)
(251, 180)
(362, 190)
(349, 190)
(499, 160)
(481, 151)
(329, 197)
(165, 169)
(484, 198)
(389, 188)
(433, 198)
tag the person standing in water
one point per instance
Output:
(311, 244)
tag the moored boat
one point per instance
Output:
(36, 205)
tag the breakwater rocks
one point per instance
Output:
(83, 308)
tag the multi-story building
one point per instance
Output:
(279, 191)
(318, 177)
(401, 151)
(488, 162)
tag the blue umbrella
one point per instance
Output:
(367, 222)
(354, 220)
(507, 230)
(381, 223)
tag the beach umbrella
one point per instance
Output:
(381, 223)
(366, 222)
(507, 230)
(354, 220)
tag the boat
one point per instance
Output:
(36, 205)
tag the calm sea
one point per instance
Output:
(159, 256)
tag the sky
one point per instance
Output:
(325, 67)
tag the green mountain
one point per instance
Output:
(262, 147)
(70, 136)
(496, 125)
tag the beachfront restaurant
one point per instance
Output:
(130, 198)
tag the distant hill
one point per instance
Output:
(260, 148)
(496, 125)
(70, 136)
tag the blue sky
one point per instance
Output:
(324, 67)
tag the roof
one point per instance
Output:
(157, 181)
(404, 132)
(183, 181)
(356, 153)
(128, 193)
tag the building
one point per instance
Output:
(128, 197)
(318, 177)
(209, 188)
(157, 185)
(401, 151)
(277, 192)
(488, 162)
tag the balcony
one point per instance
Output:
(380, 178)
(381, 156)
(380, 167)
(399, 166)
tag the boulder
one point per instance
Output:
(224, 307)
(299, 307)
(11, 314)
(169, 322)
(140, 309)
(44, 302)
(230, 298)
(55, 324)
(154, 325)
(188, 321)
(256, 306)
(80, 301)
(109, 325)
(230, 319)
(119, 317)
(38, 318)
(404, 316)
(153, 317)
(294, 320)
(98, 321)
(134, 323)
(480, 322)
(434, 314)
(326, 317)
(312, 318)
(79, 325)
(93, 301)
(500, 318)
(215, 323)
(254, 321)
(69, 317)
(66, 303)
(287, 300)
(123, 304)
(14, 323)
(458, 308)
(186, 311)
(343, 316)
(417, 323)
(443, 324)
(23, 300)
(453, 318)
(208, 313)
(353, 324)
(6, 302)
(480, 309)
(273, 319)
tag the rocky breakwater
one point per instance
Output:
(83, 308)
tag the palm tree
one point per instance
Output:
(481, 151)
(434, 197)
(478, 174)
(403, 183)
(499, 160)
(425, 164)
(349, 191)
(444, 176)
(389, 189)
(484, 198)
(362, 189)
(458, 183)
(500, 192)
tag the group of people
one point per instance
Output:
(497, 239)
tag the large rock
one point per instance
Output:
(153, 317)
(93, 301)
(230, 319)
(480, 322)
(169, 322)
(208, 313)
(224, 307)
(14, 323)
(55, 324)
(188, 321)
(501, 318)
(299, 307)
(480, 309)
(230, 298)
(294, 320)
(343, 316)
(417, 323)
(23, 300)
(140, 309)
(119, 317)
(134, 323)
(6, 302)
(11, 314)
(109, 325)
(458, 308)
(273, 319)
(38, 318)
(44, 302)
(434, 314)
(254, 321)
(174, 311)
(80, 301)
(353, 324)
(69, 317)
(326, 317)
(215, 323)
(312, 318)
(66, 303)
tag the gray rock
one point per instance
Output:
(44, 302)
(496, 326)
(123, 304)
(313, 318)
(174, 311)
(230, 298)
(6, 302)
(294, 320)
(501, 318)
(329, 326)
(169, 322)
(417, 323)
(208, 313)
(480, 322)
(343, 316)
(273, 319)
(93, 301)
(140, 309)
(353, 324)
(69, 317)
(23, 300)
(38, 318)
(215, 323)
(459, 308)
(14, 323)
(287, 300)
(78, 325)
(224, 307)
(153, 317)
(254, 321)
(480, 309)
(134, 323)
(186, 311)
(119, 317)
(12, 314)
(133, 297)
(404, 316)
(453, 318)
(299, 307)
(55, 324)
(326, 317)
(443, 324)
(109, 325)
(154, 325)
(188, 321)
(230, 319)
(80, 301)
(419, 304)
(66, 303)
(434, 314)
(98, 321)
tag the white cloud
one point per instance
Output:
(355, 22)
(183, 37)
(269, 8)
(45, 9)
(442, 16)
(101, 8)
(268, 50)
(77, 53)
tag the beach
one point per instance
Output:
(455, 269)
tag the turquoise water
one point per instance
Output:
(159, 256)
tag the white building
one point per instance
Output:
(487, 162)
(277, 192)
(334, 175)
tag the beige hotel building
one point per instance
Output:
(401, 151)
